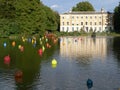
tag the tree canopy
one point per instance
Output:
(83, 6)
(117, 18)
(26, 16)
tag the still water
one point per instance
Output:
(79, 58)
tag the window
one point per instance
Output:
(100, 28)
(63, 23)
(99, 23)
(90, 23)
(86, 17)
(77, 24)
(86, 23)
(110, 28)
(82, 17)
(77, 17)
(87, 29)
(67, 29)
(91, 17)
(72, 28)
(95, 17)
(77, 28)
(105, 28)
(72, 17)
(95, 28)
(95, 23)
(73, 24)
(62, 28)
(67, 23)
(81, 23)
(62, 17)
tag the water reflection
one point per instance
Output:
(83, 46)
(24, 67)
(78, 59)
(116, 49)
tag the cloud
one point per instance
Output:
(55, 6)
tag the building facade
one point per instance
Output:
(86, 20)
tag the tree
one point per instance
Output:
(27, 17)
(117, 18)
(83, 6)
(7, 9)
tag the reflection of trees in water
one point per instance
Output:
(116, 48)
(94, 40)
(29, 62)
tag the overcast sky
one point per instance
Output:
(63, 6)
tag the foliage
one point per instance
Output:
(26, 16)
(83, 6)
(117, 19)
(82, 31)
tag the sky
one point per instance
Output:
(63, 6)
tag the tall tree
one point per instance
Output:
(26, 16)
(117, 18)
(83, 6)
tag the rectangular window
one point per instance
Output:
(100, 28)
(95, 28)
(95, 23)
(67, 23)
(90, 23)
(73, 29)
(81, 23)
(67, 29)
(87, 29)
(77, 28)
(110, 28)
(86, 23)
(63, 23)
(62, 17)
(105, 28)
(99, 23)
(62, 28)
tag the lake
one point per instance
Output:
(78, 59)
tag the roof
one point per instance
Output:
(86, 12)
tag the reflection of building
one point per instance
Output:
(83, 46)
(89, 20)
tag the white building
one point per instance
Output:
(86, 20)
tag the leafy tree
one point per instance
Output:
(57, 18)
(7, 9)
(51, 23)
(26, 16)
(83, 6)
(117, 18)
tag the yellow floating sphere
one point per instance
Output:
(23, 40)
(19, 46)
(32, 41)
(54, 62)
(13, 43)
(43, 48)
